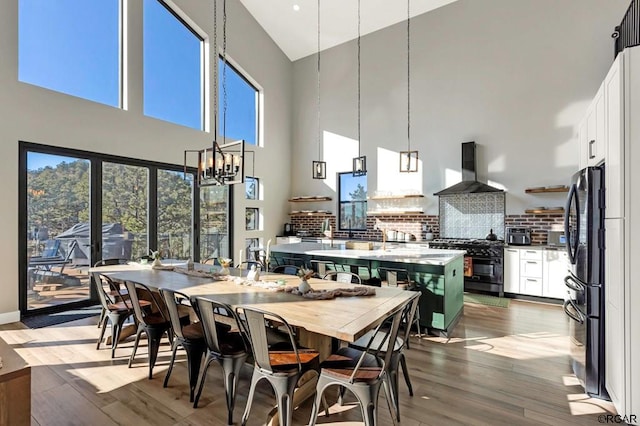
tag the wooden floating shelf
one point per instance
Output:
(310, 214)
(542, 190)
(394, 213)
(544, 211)
(396, 197)
(310, 199)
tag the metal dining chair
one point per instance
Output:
(286, 269)
(187, 334)
(362, 372)
(398, 358)
(115, 292)
(281, 368)
(396, 277)
(342, 277)
(154, 322)
(228, 348)
(321, 267)
(115, 311)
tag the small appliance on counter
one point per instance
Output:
(519, 236)
(288, 230)
(556, 238)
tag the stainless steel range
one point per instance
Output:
(484, 266)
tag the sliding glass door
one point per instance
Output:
(82, 207)
(58, 230)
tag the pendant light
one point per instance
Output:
(319, 168)
(408, 158)
(359, 162)
(222, 163)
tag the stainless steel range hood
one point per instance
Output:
(469, 184)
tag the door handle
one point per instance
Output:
(573, 284)
(591, 144)
(576, 315)
(572, 237)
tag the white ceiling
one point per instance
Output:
(296, 32)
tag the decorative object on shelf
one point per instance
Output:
(408, 158)
(222, 163)
(428, 236)
(304, 275)
(359, 162)
(319, 170)
(225, 262)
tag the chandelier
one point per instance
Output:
(223, 162)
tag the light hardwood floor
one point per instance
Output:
(500, 367)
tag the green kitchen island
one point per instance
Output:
(438, 274)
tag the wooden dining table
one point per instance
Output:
(318, 321)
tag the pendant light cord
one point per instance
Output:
(215, 70)
(224, 71)
(318, 87)
(358, 78)
(408, 76)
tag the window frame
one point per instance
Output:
(340, 203)
(204, 60)
(244, 76)
(121, 32)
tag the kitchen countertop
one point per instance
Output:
(407, 253)
(535, 247)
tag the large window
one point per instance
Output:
(173, 67)
(239, 119)
(352, 202)
(82, 207)
(71, 46)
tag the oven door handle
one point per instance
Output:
(573, 313)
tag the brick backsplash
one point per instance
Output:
(413, 224)
(539, 224)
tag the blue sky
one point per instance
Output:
(72, 46)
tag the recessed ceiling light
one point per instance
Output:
(296, 7)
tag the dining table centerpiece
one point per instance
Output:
(304, 275)
(225, 262)
(157, 261)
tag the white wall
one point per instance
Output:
(514, 75)
(39, 115)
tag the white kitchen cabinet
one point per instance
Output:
(531, 272)
(288, 240)
(595, 126)
(582, 145)
(614, 177)
(614, 310)
(535, 271)
(511, 270)
(555, 264)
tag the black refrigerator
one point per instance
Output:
(584, 231)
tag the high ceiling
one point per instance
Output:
(292, 24)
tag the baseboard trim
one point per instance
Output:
(7, 317)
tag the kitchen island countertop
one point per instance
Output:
(392, 253)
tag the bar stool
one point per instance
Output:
(321, 267)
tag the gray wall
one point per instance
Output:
(515, 76)
(39, 115)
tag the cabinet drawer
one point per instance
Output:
(531, 268)
(530, 254)
(531, 286)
